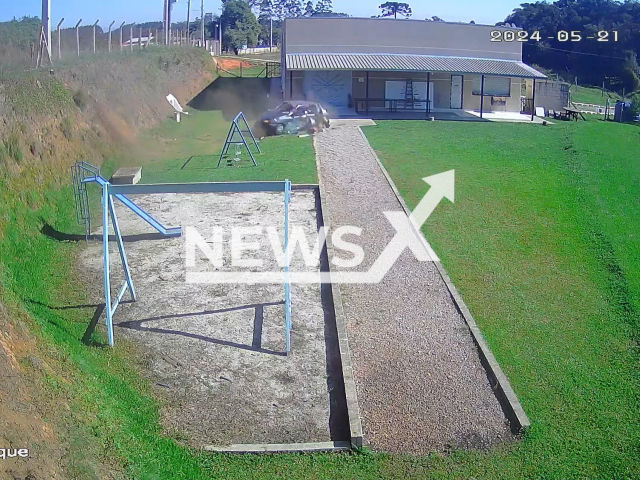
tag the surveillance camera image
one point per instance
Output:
(327, 239)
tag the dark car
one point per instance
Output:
(292, 117)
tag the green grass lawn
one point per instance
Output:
(541, 241)
(189, 151)
(543, 244)
(592, 95)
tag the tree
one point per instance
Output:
(241, 26)
(279, 10)
(612, 59)
(308, 9)
(292, 8)
(265, 22)
(319, 7)
(393, 9)
(266, 8)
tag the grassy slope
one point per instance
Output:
(591, 95)
(542, 242)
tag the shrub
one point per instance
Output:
(66, 127)
(12, 146)
(81, 99)
(635, 103)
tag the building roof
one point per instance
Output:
(409, 63)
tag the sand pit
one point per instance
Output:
(216, 351)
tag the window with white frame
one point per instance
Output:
(493, 86)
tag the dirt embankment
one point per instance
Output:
(48, 120)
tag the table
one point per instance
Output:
(572, 113)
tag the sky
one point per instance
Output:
(484, 11)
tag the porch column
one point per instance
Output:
(481, 94)
(428, 82)
(290, 84)
(366, 94)
(533, 100)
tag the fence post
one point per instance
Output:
(131, 37)
(94, 35)
(121, 42)
(59, 40)
(78, 36)
(110, 26)
(140, 39)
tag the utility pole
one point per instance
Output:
(270, 34)
(46, 25)
(202, 23)
(110, 26)
(188, 17)
(166, 21)
(59, 41)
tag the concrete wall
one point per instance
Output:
(375, 35)
(549, 94)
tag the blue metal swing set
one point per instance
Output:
(84, 173)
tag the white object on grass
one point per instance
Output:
(176, 106)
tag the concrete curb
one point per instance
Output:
(499, 382)
(353, 409)
(280, 447)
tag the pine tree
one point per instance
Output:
(294, 8)
(266, 8)
(328, 6)
(319, 7)
(279, 8)
(308, 9)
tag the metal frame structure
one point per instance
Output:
(287, 259)
(232, 139)
(91, 174)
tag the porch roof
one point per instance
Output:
(409, 63)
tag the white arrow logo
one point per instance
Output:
(407, 236)
(442, 186)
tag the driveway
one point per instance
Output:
(420, 384)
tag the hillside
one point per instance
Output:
(90, 110)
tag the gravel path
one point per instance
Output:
(420, 384)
